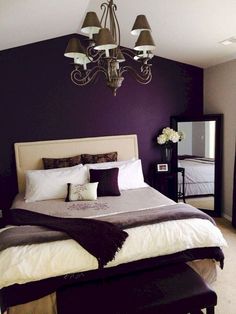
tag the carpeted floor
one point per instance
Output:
(206, 202)
(225, 286)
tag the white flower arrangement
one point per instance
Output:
(169, 136)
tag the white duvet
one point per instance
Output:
(39, 261)
(34, 262)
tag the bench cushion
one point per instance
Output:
(170, 289)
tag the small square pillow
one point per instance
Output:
(93, 159)
(107, 181)
(51, 163)
(81, 192)
(130, 173)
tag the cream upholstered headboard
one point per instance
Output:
(29, 154)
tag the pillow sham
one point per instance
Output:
(51, 163)
(108, 165)
(81, 192)
(107, 181)
(130, 173)
(98, 158)
(51, 184)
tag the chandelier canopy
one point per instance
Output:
(103, 52)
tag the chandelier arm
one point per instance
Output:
(103, 63)
(93, 55)
(145, 68)
(128, 52)
(131, 53)
(103, 7)
(114, 9)
(112, 22)
(144, 78)
(89, 76)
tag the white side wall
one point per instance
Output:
(220, 97)
(185, 146)
(199, 138)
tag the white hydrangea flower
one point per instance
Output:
(174, 137)
(170, 136)
(161, 139)
(167, 131)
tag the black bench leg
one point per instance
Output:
(210, 310)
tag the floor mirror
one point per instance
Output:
(198, 161)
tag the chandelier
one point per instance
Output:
(103, 53)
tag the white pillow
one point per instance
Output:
(82, 192)
(51, 184)
(109, 164)
(130, 173)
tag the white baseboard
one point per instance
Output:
(227, 217)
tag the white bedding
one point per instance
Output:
(199, 177)
(34, 262)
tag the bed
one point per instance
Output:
(199, 176)
(31, 274)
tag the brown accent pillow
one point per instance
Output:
(107, 181)
(51, 163)
(97, 158)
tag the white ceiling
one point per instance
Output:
(188, 31)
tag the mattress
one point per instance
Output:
(29, 263)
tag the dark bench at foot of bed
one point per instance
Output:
(171, 289)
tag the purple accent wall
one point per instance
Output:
(39, 102)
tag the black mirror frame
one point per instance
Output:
(218, 118)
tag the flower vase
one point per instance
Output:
(166, 154)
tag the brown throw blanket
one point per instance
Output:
(101, 239)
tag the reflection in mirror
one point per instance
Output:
(196, 163)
